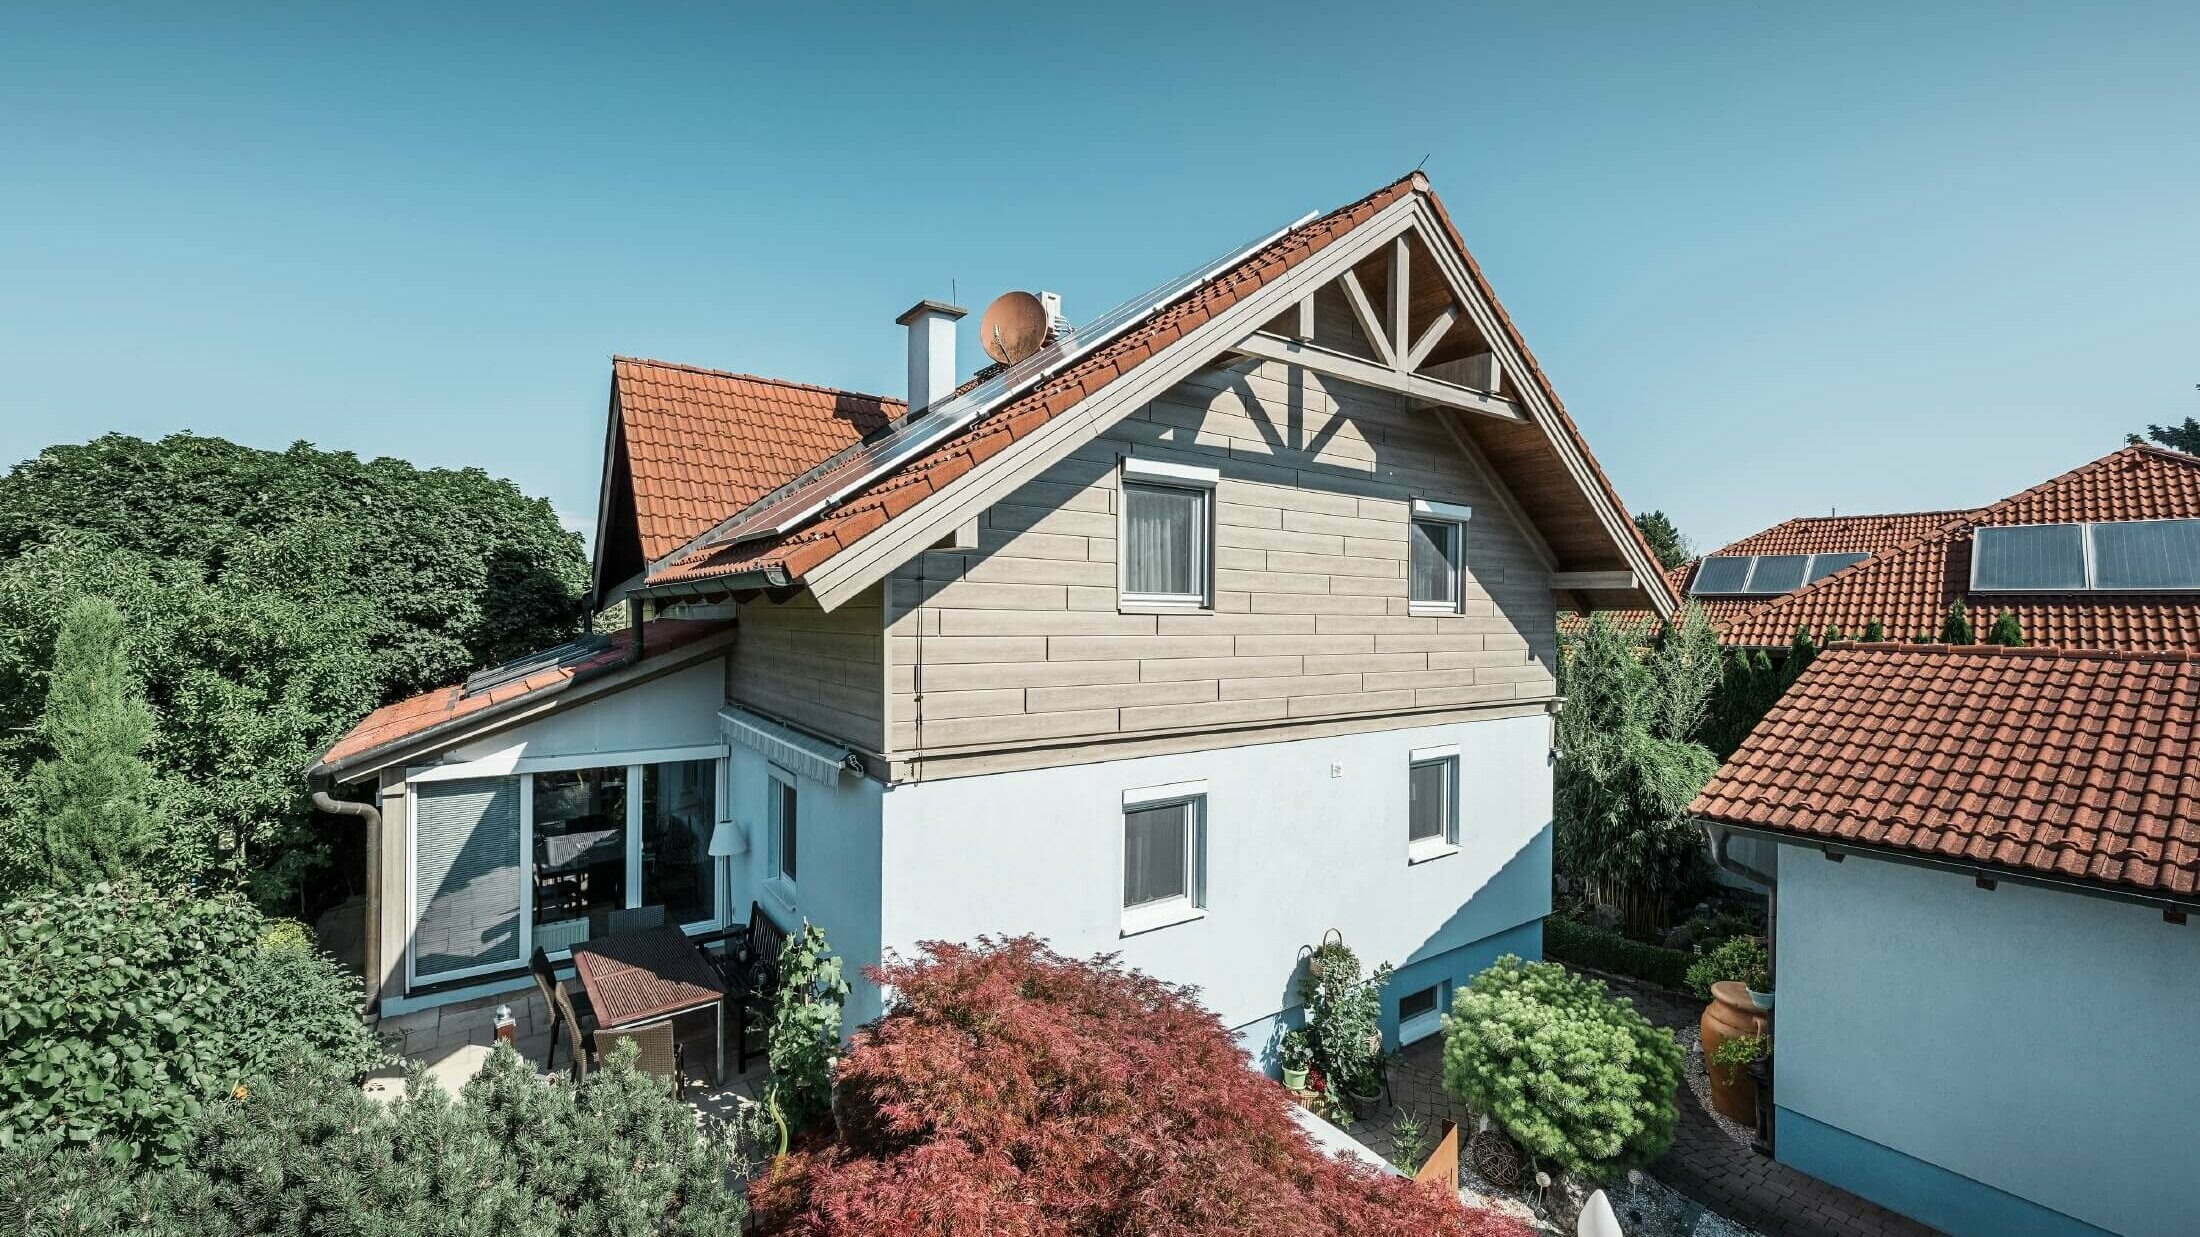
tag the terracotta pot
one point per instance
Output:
(1729, 1016)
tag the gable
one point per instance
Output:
(1562, 494)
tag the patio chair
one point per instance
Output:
(584, 1033)
(575, 1008)
(637, 919)
(752, 981)
(660, 1051)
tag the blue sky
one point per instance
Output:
(1777, 261)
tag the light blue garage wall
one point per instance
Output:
(2006, 1062)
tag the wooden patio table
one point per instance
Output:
(638, 978)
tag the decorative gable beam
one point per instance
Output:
(1430, 338)
(1371, 326)
(1401, 275)
(1595, 581)
(1353, 369)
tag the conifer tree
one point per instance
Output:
(1956, 628)
(2005, 631)
(1875, 632)
(1833, 635)
(1800, 655)
(91, 800)
(1767, 683)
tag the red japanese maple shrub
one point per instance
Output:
(1012, 1092)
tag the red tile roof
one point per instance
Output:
(1909, 589)
(868, 510)
(415, 717)
(702, 444)
(1842, 534)
(2077, 765)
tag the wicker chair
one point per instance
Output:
(580, 1014)
(660, 1051)
(584, 1033)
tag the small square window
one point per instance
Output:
(1164, 862)
(1420, 1014)
(1432, 804)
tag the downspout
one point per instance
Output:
(370, 818)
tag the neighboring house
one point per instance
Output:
(1988, 982)
(1225, 620)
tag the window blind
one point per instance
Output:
(466, 875)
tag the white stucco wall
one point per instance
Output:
(675, 710)
(1292, 852)
(2043, 1043)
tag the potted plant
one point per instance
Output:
(1296, 1056)
(1739, 1053)
(1725, 975)
(1759, 982)
(1343, 1023)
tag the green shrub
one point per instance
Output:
(1740, 957)
(615, 1154)
(1573, 1075)
(805, 1033)
(1584, 945)
(122, 1011)
(1344, 1010)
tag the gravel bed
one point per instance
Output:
(1699, 1081)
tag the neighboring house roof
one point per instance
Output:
(790, 556)
(2078, 766)
(1810, 534)
(409, 721)
(1909, 589)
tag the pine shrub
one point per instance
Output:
(2005, 631)
(1956, 628)
(1573, 1075)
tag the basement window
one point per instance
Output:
(1164, 856)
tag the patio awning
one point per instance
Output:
(786, 747)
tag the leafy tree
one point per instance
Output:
(1666, 539)
(1625, 776)
(805, 1031)
(1956, 628)
(1875, 632)
(304, 1152)
(269, 598)
(92, 798)
(1801, 652)
(1572, 1074)
(123, 1011)
(2185, 438)
(1014, 1092)
(1685, 668)
(2006, 631)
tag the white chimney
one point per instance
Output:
(931, 351)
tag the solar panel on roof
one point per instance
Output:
(1722, 573)
(796, 503)
(1778, 573)
(2028, 558)
(2146, 555)
(572, 652)
(1823, 565)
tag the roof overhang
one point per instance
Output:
(1838, 850)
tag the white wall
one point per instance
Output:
(1292, 852)
(674, 710)
(838, 858)
(2043, 1043)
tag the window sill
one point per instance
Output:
(1427, 852)
(780, 894)
(1154, 918)
(1432, 609)
(1415, 1030)
(1148, 605)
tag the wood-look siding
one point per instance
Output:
(1023, 640)
(823, 672)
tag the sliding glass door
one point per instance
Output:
(553, 857)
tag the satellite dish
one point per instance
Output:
(1014, 327)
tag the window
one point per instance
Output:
(1432, 803)
(679, 807)
(1164, 857)
(1420, 1014)
(1436, 557)
(466, 878)
(580, 853)
(784, 828)
(1168, 534)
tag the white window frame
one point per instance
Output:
(1421, 1026)
(1430, 512)
(777, 783)
(1163, 475)
(1192, 903)
(1446, 841)
(509, 764)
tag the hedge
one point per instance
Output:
(1567, 941)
